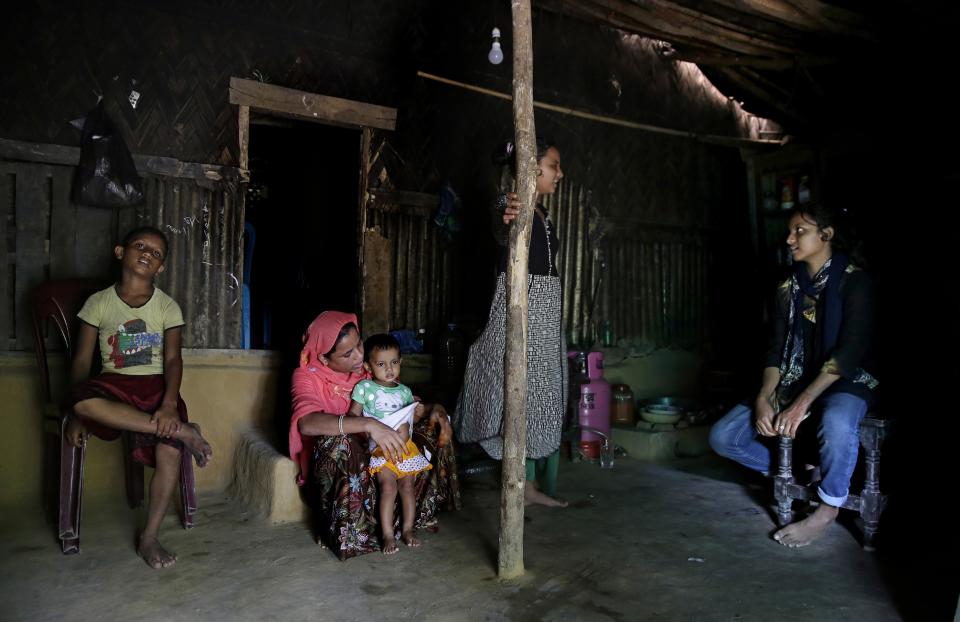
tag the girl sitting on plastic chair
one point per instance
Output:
(139, 328)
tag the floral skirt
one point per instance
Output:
(343, 493)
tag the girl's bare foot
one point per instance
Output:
(534, 496)
(409, 539)
(198, 446)
(390, 545)
(809, 529)
(155, 555)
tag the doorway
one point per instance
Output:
(301, 212)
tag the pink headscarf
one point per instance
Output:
(317, 388)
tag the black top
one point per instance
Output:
(853, 348)
(538, 262)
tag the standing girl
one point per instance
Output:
(479, 413)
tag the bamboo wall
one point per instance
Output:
(648, 281)
(44, 235)
(660, 194)
(421, 267)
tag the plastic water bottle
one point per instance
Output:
(450, 356)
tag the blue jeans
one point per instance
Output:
(838, 431)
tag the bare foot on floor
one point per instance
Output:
(806, 531)
(534, 496)
(409, 539)
(155, 555)
(198, 446)
(390, 546)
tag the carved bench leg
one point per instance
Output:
(871, 501)
(784, 478)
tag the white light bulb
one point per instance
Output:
(496, 54)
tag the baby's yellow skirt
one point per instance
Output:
(411, 463)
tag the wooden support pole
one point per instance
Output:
(510, 562)
(243, 125)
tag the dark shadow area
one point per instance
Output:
(479, 472)
(911, 234)
(895, 190)
(302, 204)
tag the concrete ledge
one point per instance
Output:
(260, 360)
(227, 393)
(265, 480)
(663, 445)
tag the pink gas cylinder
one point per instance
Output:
(594, 411)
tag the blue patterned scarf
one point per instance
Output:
(805, 291)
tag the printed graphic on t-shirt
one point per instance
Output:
(132, 345)
(379, 401)
(388, 402)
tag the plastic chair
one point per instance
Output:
(58, 302)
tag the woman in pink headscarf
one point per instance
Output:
(331, 448)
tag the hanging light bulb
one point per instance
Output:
(496, 54)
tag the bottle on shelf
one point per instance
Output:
(788, 192)
(606, 335)
(803, 189)
(450, 356)
(622, 406)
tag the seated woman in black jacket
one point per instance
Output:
(817, 365)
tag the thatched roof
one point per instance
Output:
(799, 62)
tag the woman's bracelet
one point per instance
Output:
(340, 424)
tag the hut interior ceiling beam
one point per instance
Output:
(755, 27)
(731, 141)
(778, 55)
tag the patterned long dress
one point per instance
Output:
(479, 414)
(343, 494)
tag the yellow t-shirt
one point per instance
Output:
(131, 338)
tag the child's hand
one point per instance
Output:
(168, 421)
(404, 430)
(388, 440)
(76, 432)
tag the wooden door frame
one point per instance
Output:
(302, 106)
(250, 95)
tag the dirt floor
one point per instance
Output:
(639, 542)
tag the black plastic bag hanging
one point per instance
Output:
(106, 176)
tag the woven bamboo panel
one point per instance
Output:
(46, 236)
(180, 56)
(649, 282)
(421, 279)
